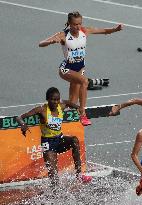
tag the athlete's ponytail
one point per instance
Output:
(74, 14)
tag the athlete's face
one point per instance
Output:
(54, 100)
(75, 24)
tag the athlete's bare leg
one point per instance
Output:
(50, 159)
(77, 78)
(74, 92)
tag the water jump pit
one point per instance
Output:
(109, 186)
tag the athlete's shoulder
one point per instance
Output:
(36, 110)
(62, 104)
(88, 30)
(62, 33)
(84, 30)
(59, 34)
(40, 109)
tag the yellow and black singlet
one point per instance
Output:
(52, 126)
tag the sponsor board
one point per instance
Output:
(21, 158)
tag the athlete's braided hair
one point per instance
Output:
(51, 91)
(74, 14)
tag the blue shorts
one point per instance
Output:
(66, 66)
(57, 144)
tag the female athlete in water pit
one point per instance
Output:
(51, 117)
(73, 41)
(138, 140)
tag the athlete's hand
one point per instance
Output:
(115, 110)
(24, 129)
(119, 27)
(50, 41)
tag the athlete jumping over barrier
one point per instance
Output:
(138, 140)
(52, 140)
(73, 41)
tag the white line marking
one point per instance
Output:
(118, 4)
(14, 106)
(117, 95)
(99, 97)
(64, 13)
(114, 168)
(18, 184)
(111, 143)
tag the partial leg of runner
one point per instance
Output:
(76, 154)
(139, 188)
(74, 92)
(77, 78)
(72, 142)
(74, 95)
(50, 159)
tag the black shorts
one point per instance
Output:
(57, 144)
(66, 66)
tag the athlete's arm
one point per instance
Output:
(136, 150)
(67, 103)
(24, 127)
(92, 30)
(56, 38)
(117, 108)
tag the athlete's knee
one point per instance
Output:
(84, 82)
(139, 136)
(132, 156)
(139, 133)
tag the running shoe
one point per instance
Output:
(84, 120)
(85, 179)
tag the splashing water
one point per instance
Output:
(101, 191)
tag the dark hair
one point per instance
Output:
(74, 14)
(51, 91)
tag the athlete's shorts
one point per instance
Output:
(57, 144)
(66, 66)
